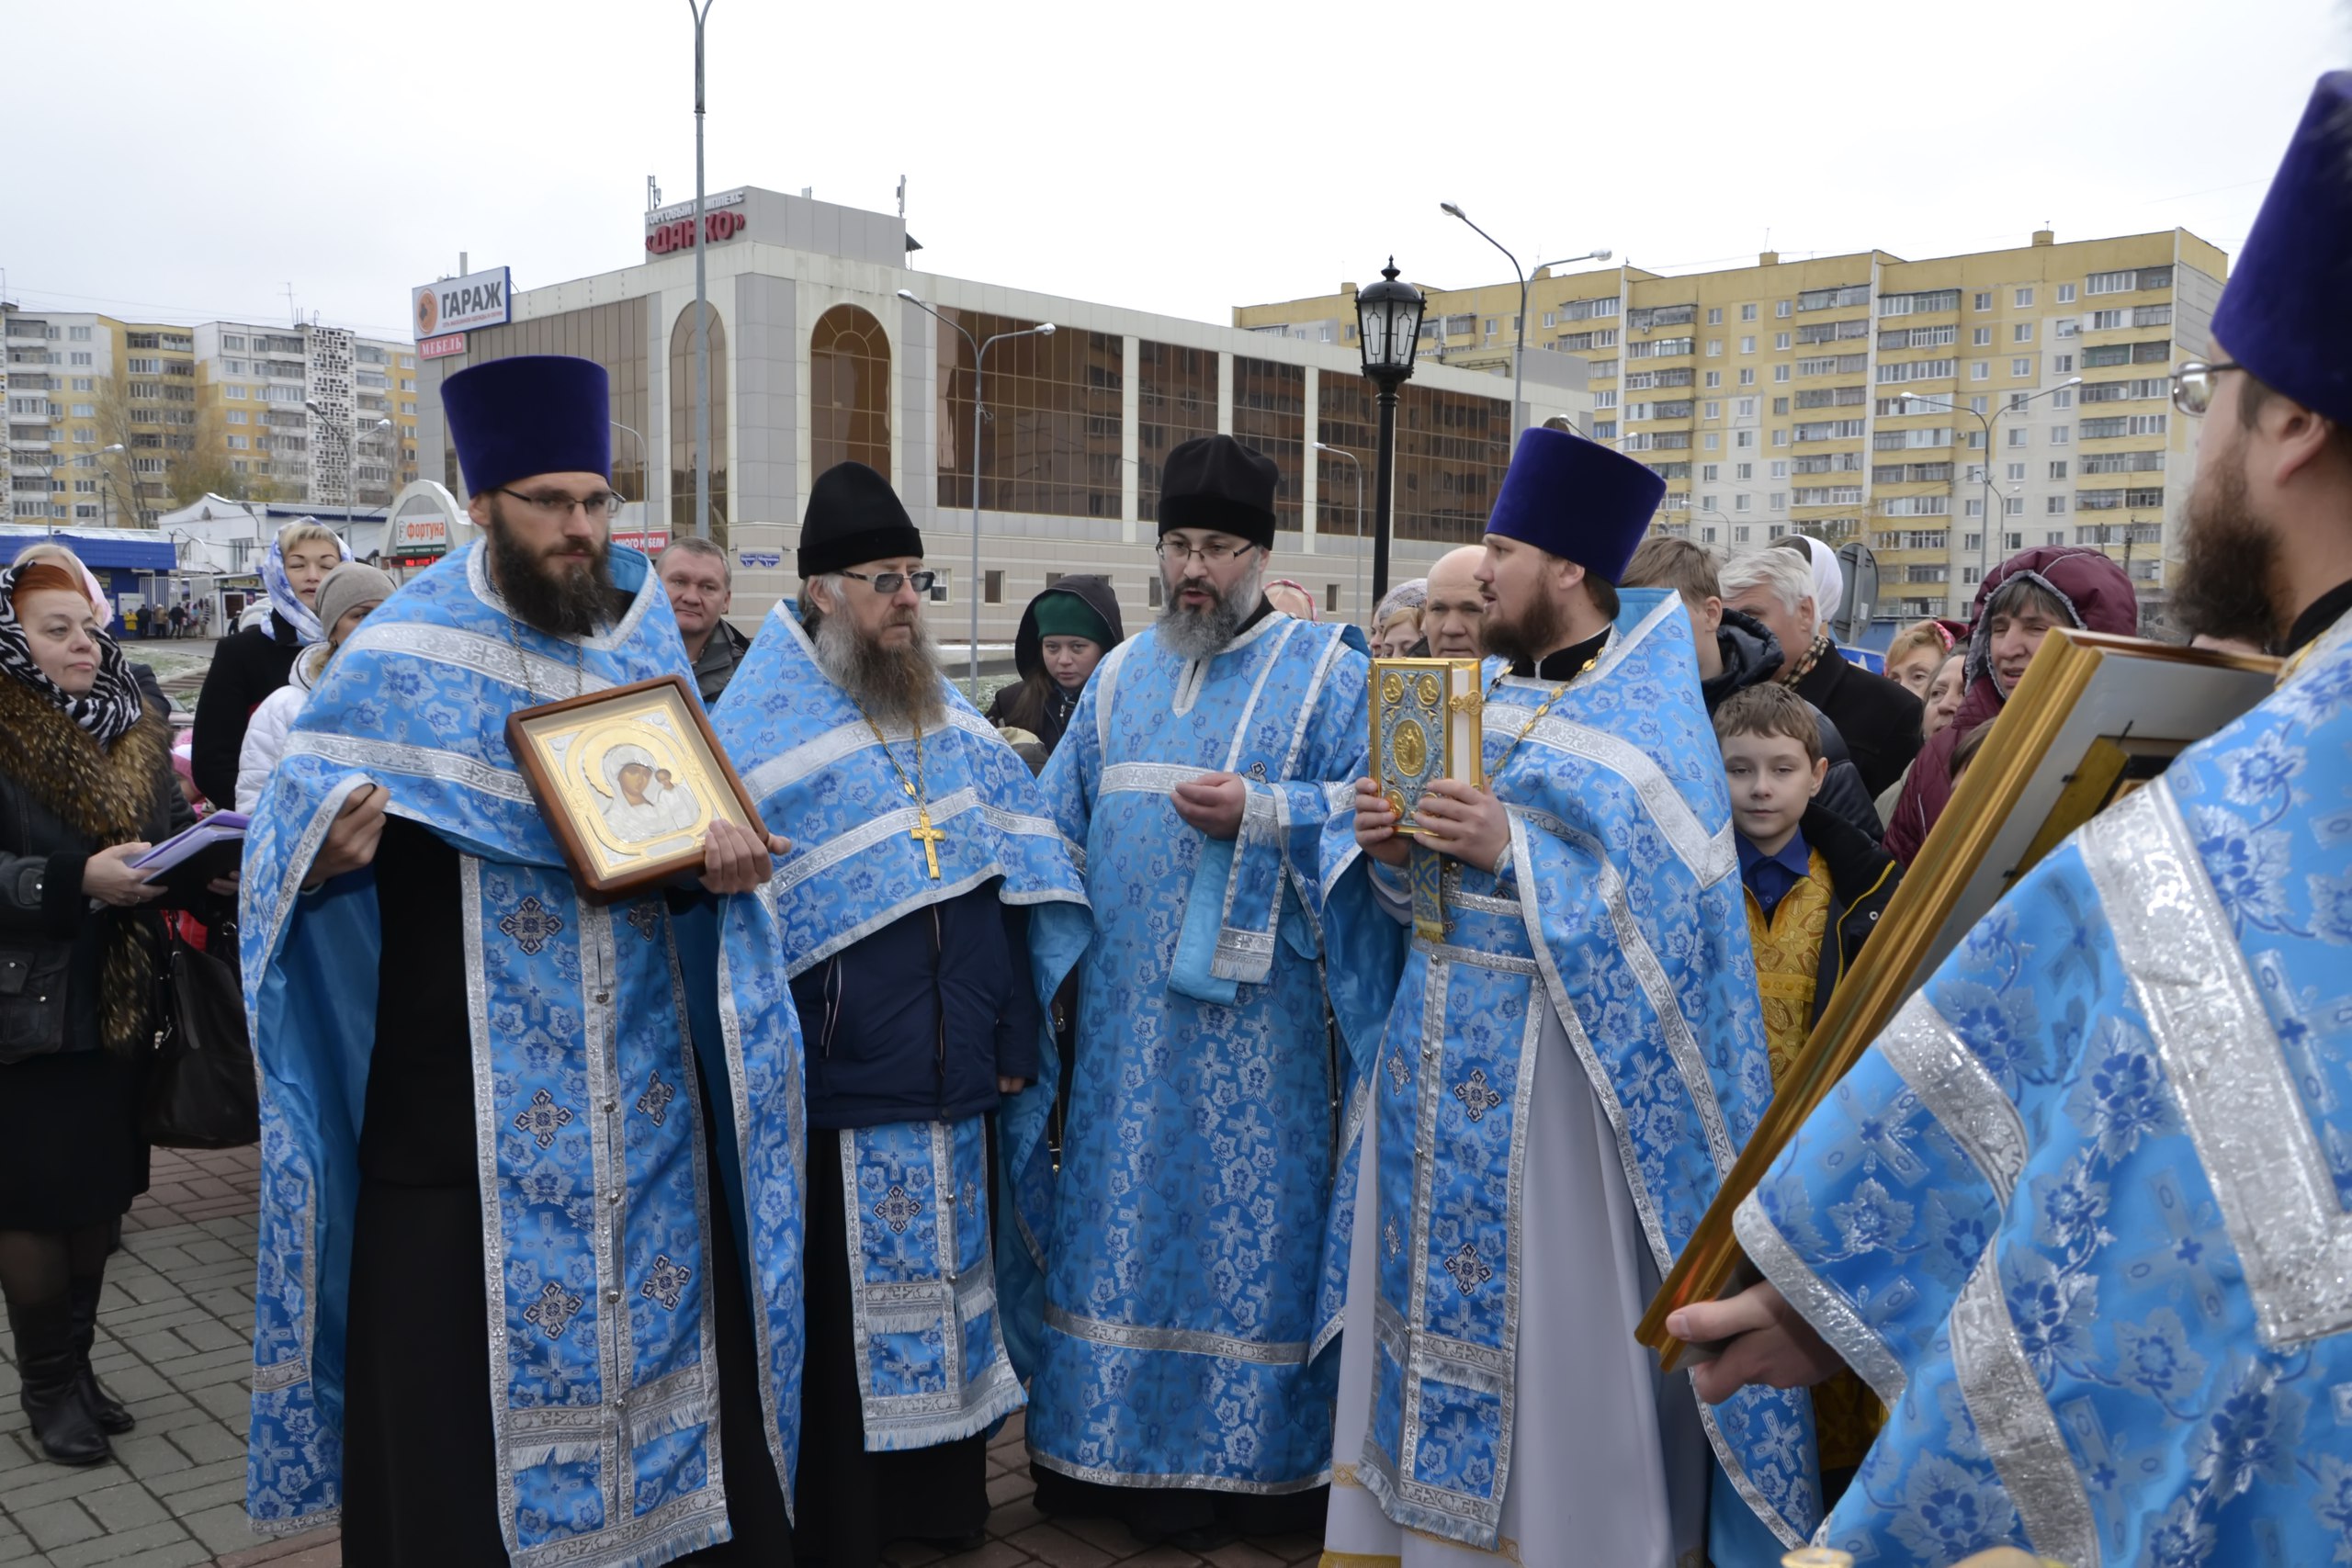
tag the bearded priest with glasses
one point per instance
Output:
(927, 906)
(503, 1314)
(1185, 1379)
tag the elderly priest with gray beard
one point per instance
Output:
(928, 905)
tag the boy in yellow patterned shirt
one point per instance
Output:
(1815, 887)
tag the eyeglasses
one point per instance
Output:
(888, 582)
(1175, 552)
(2193, 385)
(555, 503)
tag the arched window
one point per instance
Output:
(848, 391)
(682, 424)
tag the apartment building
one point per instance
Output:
(112, 423)
(1946, 412)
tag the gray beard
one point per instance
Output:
(1204, 634)
(895, 686)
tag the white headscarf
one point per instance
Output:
(1829, 582)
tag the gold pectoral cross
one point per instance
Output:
(930, 837)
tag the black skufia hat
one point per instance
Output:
(1214, 481)
(854, 515)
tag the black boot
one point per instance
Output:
(83, 1293)
(50, 1369)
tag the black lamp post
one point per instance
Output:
(1388, 329)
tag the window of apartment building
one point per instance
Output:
(2062, 365)
(77, 334)
(1745, 407)
(1707, 504)
(1710, 472)
(1714, 315)
(2021, 333)
(2019, 437)
(2058, 469)
(81, 411)
(1740, 532)
(1780, 306)
(2055, 505)
(1715, 378)
(85, 383)
(1604, 399)
(2060, 435)
(2020, 367)
(1551, 318)
(1983, 337)
(1781, 467)
(2110, 283)
(1980, 371)
(1740, 503)
(2065, 294)
(2025, 299)
(85, 436)
(1778, 501)
(2017, 473)
(1780, 437)
(234, 416)
(1747, 346)
(1714, 411)
(1983, 300)
(2013, 506)
(80, 357)
(1780, 341)
(1748, 312)
(1714, 349)
(1743, 471)
(1712, 441)
(1780, 373)
(1743, 438)
(2062, 398)
(1747, 376)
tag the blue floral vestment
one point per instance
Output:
(2080, 1214)
(596, 1219)
(923, 1301)
(1619, 910)
(1186, 1299)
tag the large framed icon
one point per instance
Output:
(2095, 717)
(630, 780)
(1427, 724)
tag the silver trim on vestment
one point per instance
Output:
(2013, 1420)
(791, 766)
(1130, 1480)
(1105, 684)
(1825, 1307)
(1143, 778)
(1710, 857)
(493, 1231)
(1182, 1341)
(2229, 1073)
(739, 1106)
(1604, 1088)
(600, 1025)
(1958, 1092)
(527, 672)
(1437, 979)
(1447, 953)
(415, 762)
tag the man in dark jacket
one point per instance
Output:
(1736, 651)
(701, 585)
(1879, 717)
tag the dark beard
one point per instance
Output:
(1527, 639)
(894, 685)
(1201, 634)
(562, 600)
(2229, 560)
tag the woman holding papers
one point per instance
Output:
(86, 786)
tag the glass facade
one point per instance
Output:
(682, 424)
(848, 391)
(1451, 449)
(614, 336)
(1270, 418)
(1175, 401)
(1050, 443)
(1346, 417)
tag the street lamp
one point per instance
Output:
(105, 490)
(1984, 540)
(702, 305)
(979, 359)
(1518, 341)
(644, 478)
(350, 467)
(1356, 463)
(1388, 330)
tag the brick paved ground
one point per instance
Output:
(172, 1344)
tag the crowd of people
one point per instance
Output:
(1120, 1054)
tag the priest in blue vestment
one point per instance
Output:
(528, 1286)
(926, 905)
(1573, 1056)
(2083, 1214)
(1182, 1376)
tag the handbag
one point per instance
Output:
(201, 1091)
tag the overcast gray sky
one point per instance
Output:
(195, 159)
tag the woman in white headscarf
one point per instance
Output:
(1829, 578)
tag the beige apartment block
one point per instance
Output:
(1772, 399)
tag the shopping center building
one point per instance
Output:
(815, 359)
